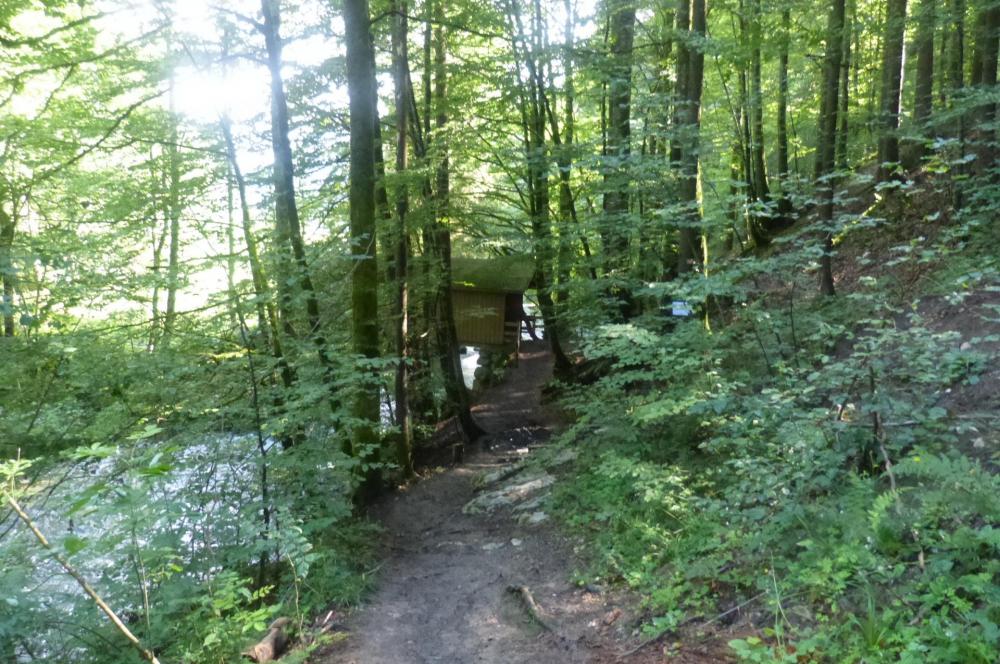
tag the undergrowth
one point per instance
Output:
(795, 461)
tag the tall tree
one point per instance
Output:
(984, 77)
(286, 212)
(956, 47)
(843, 112)
(533, 102)
(621, 17)
(760, 186)
(827, 132)
(173, 212)
(784, 202)
(8, 271)
(447, 333)
(956, 82)
(924, 87)
(689, 130)
(267, 315)
(293, 266)
(400, 76)
(892, 76)
(364, 282)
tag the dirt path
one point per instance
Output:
(443, 591)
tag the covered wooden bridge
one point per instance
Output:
(488, 299)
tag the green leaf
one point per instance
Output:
(85, 498)
(74, 544)
(95, 451)
(937, 413)
(150, 431)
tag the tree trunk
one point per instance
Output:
(843, 117)
(956, 83)
(451, 363)
(924, 96)
(365, 406)
(234, 321)
(892, 72)
(533, 121)
(683, 28)
(286, 213)
(7, 270)
(761, 187)
(984, 76)
(784, 202)
(956, 58)
(267, 315)
(826, 149)
(689, 234)
(158, 239)
(616, 178)
(174, 211)
(400, 73)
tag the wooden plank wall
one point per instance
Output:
(479, 317)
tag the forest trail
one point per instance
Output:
(442, 593)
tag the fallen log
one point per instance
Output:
(273, 645)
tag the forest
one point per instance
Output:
(761, 239)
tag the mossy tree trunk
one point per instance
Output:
(365, 405)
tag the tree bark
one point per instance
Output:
(292, 265)
(924, 95)
(826, 149)
(690, 235)
(683, 29)
(158, 239)
(956, 55)
(267, 315)
(984, 76)
(892, 72)
(173, 210)
(286, 208)
(761, 187)
(843, 135)
(400, 74)
(784, 202)
(616, 178)
(956, 83)
(447, 334)
(361, 91)
(8, 272)
(286, 211)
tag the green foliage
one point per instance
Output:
(742, 465)
(808, 458)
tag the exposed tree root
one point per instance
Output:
(530, 605)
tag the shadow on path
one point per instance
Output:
(442, 592)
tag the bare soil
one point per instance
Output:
(443, 591)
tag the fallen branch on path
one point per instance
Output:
(530, 605)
